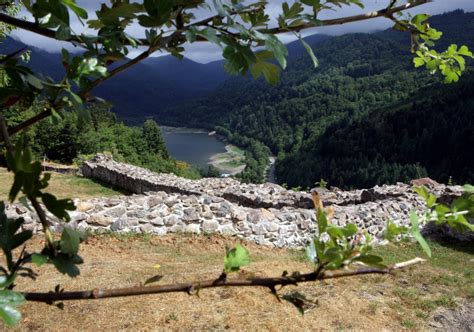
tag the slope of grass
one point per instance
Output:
(63, 186)
(407, 300)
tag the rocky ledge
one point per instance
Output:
(266, 214)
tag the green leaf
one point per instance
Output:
(9, 300)
(350, 230)
(297, 299)
(279, 49)
(469, 188)
(58, 207)
(322, 221)
(235, 258)
(430, 202)
(270, 71)
(335, 232)
(310, 52)
(422, 192)
(67, 265)
(311, 253)
(372, 260)
(80, 12)
(6, 281)
(153, 279)
(70, 240)
(419, 62)
(39, 259)
(392, 230)
(415, 231)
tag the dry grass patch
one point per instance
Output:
(403, 301)
(63, 186)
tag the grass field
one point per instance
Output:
(63, 186)
(407, 300)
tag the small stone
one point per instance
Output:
(21, 209)
(171, 201)
(171, 220)
(259, 229)
(84, 206)
(373, 229)
(193, 228)
(139, 214)
(154, 201)
(112, 202)
(267, 215)
(238, 215)
(271, 226)
(133, 222)
(99, 220)
(227, 230)
(147, 228)
(158, 221)
(190, 214)
(78, 216)
(115, 212)
(190, 200)
(119, 225)
(210, 226)
(161, 230)
(254, 216)
(208, 215)
(178, 228)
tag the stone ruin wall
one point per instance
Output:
(266, 214)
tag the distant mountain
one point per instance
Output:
(150, 86)
(139, 91)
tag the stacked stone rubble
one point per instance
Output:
(266, 214)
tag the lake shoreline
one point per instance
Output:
(231, 162)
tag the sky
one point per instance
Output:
(205, 52)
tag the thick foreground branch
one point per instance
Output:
(386, 12)
(270, 283)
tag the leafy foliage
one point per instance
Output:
(235, 259)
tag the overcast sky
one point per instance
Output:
(204, 52)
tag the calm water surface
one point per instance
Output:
(193, 146)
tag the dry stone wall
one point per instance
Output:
(266, 214)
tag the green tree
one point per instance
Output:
(154, 139)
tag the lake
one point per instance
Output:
(193, 146)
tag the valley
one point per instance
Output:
(360, 78)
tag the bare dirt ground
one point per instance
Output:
(407, 300)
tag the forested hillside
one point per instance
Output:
(360, 76)
(430, 134)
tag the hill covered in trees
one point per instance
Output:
(361, 77)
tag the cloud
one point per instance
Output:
(205, 52)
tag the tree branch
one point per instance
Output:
(36, 28)
(386, 12)
(220, 282)
(83, 94)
